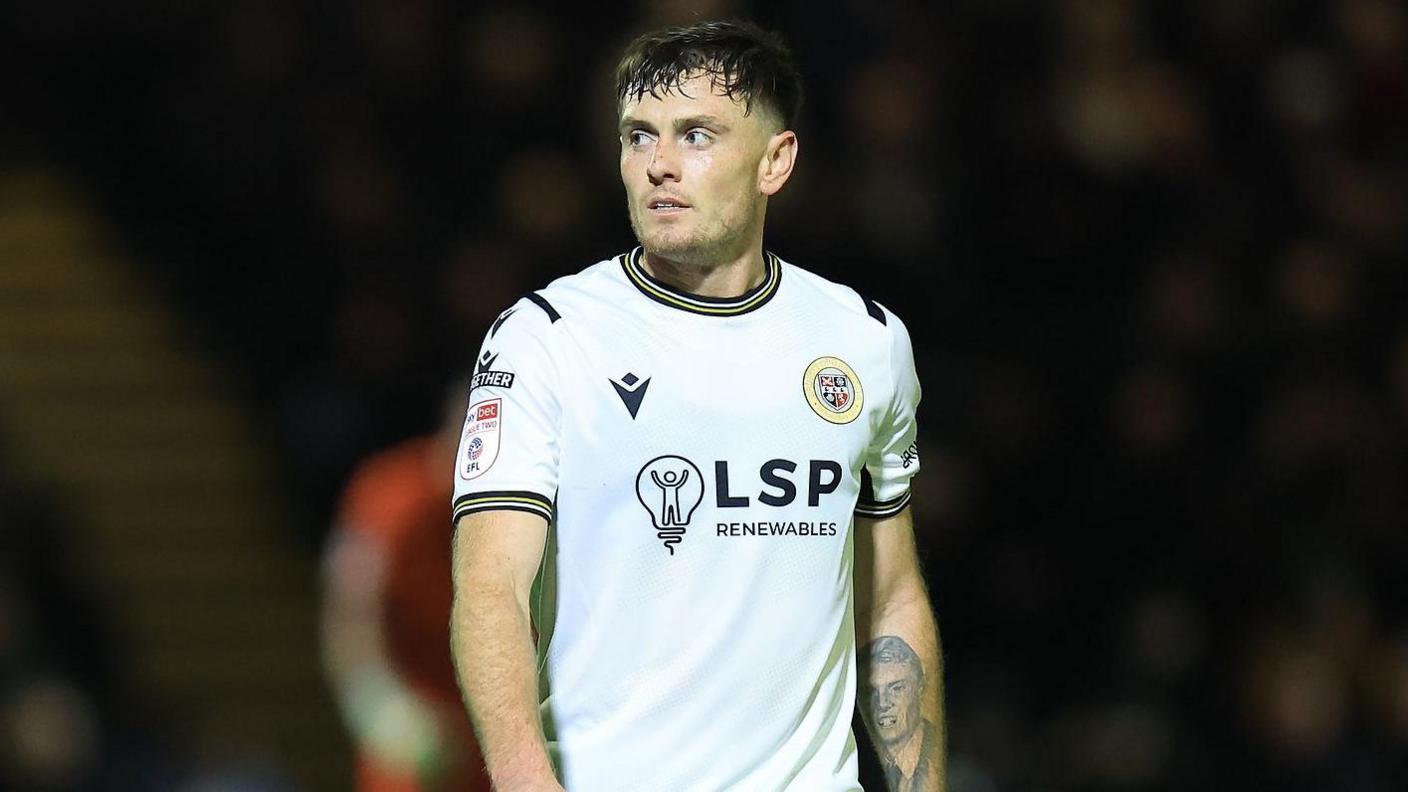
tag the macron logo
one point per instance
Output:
(631, 389)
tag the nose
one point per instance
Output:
(664, 164)
(884, 701)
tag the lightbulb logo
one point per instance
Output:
(670, 488)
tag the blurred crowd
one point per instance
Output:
(53, 672)
(1153, 256)
(69, 718)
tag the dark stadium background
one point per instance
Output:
(1152, 256)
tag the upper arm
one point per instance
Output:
(354, 569)
(505, 479)
(356, 558)
(892, 457)
(887, 563)
(509, 445)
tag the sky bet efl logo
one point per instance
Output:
(479, 446)
(671, 488)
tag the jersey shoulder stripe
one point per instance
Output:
(873, 308)
(840, 295)
(542, 302)
(575, 295)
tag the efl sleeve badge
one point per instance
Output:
(480, 442)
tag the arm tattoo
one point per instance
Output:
(893, 681)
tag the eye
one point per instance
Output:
(637, 137)
(696, 137)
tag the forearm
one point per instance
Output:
(491, 641)
(384, 715)
(901, 658)
(496, 555)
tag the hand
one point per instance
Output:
(396, 726)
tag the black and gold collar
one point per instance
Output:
(663, 293)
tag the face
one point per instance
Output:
(697, 171)
(893, 709)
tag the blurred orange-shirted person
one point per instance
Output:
(386, 622)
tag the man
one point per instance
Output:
(703, 454)
(895, 681)
(385, 614)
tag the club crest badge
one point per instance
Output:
(833, 390)
(479, 446)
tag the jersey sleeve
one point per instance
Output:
(508, 449)
(893, 455)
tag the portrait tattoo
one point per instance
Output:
(893, 680)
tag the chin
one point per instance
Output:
(676, 246)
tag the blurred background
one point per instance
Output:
(1152, 256)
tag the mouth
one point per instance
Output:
(886, 721)
(666, 207)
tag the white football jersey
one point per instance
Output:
(700, 461)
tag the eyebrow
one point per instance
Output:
(629, 123)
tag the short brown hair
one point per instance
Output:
(743, 60)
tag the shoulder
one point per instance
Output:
(567, 297)
(845, 301)
(853, 312)
(394, 465)
(387, 485)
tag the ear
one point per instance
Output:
(778, 160)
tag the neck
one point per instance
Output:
(906, 756)
(730, 276)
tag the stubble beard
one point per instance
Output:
(698, 247)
